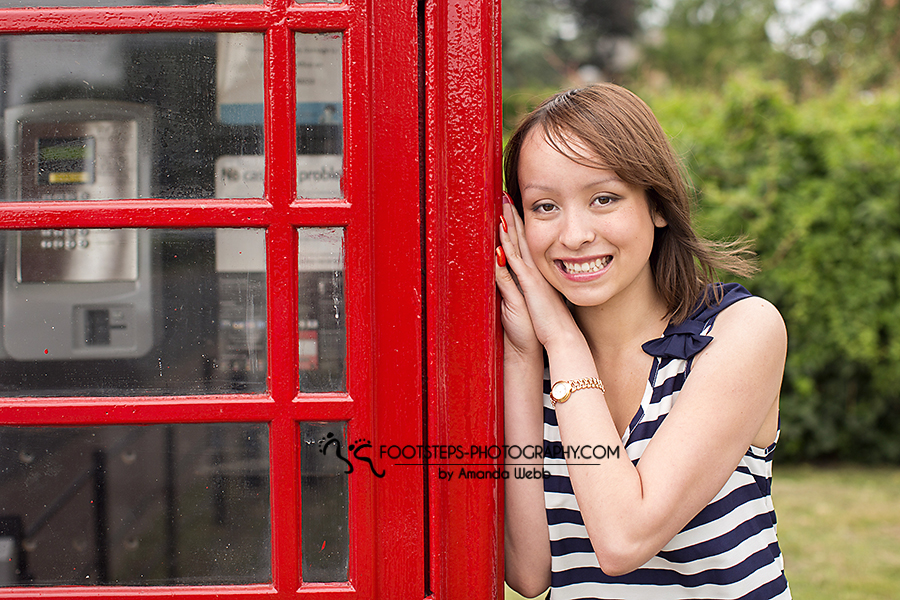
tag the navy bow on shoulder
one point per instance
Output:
(685, 340)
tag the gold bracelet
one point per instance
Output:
(561, 390)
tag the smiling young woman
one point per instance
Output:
(614, 302)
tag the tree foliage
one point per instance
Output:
(792, 139)
(547, 42)
(532, 52)
(816, 185)
(704, 41)
(860, 47)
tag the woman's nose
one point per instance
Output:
(577, 231)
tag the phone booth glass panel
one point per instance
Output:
(322, 335)
(171, 504)
(151, 113)
(325, 489)
(133, 312)
(318, 60)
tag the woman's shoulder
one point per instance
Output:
(748, 318)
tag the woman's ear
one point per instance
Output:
(653, 202)
(658, 219)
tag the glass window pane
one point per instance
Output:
(183, 504)
(110, 312)
(325, 501)
(90, 116)
(319, 115)
(321, 309)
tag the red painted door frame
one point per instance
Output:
(464, 142)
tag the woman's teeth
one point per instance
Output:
(587, 267)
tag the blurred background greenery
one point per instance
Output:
(787, 115)
(790, 129)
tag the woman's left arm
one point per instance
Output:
(729, 401)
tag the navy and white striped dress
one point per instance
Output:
(729, 550)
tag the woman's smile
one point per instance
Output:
(584, 267)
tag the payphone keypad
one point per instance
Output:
(64, 239)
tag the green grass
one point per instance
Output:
(839, 529)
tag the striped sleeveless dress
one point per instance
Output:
(729, 550)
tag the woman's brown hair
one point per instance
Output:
(606, 126)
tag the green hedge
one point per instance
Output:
(816, 185)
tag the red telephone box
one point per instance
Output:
(247, 299)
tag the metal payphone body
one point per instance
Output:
(78, 293)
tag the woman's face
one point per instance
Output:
(589, 232)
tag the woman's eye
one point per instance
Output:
(544, 207)
(604, 200)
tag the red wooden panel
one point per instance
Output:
(464, 140)
(287, 15)
(395, 528)
(398, 549)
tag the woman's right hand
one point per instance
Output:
(518, 329)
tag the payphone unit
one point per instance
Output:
(78, 293)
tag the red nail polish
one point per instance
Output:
(503, 224)
(501, 256)
(506, 198)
